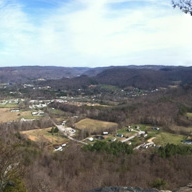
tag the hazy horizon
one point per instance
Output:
(93, 33)
(92, 67)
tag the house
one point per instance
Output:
(15, 110)
(156, 128)
(37, 113)
(119, 135)
(41, 113)
(60, 148)
(145, 135)
(73, 130)
(99, 137)
(187, 142)
(141, 132)
(26, 120)
(90, 138)
(113, 140)
(105, 133)
(64, 122)
(34, 113)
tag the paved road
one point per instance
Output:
(71, 138)
(129, 138)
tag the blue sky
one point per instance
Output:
(93, 33)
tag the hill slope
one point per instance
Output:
(28, 73)
(123, 77)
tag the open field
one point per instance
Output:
(87, 104)
(124, 132)
(6, 115)
(94, 125)
(44, 135)
(163, 138)
(189, 114)
(9, 105)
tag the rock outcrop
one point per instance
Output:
(123, 189)
(187, 188)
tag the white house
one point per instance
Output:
(90, 138)
(60, 148)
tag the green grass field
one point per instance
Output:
(9, 105)
(164, 138)
(189, 114)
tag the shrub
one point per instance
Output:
(171, 150)
(113, 148)
(158, 183)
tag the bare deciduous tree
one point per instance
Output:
(184, 5)
(10, 170)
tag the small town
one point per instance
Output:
(95, 96)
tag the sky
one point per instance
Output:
(93, 33)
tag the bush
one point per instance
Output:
(15, 185)
(54, 130)
(158, 183)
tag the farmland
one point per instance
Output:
(95, 125)
(6, 115)
(163, 138)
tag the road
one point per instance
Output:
(82, 142)
(63, 130)
(129, 138)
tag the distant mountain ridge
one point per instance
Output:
(143, 77)
(124, 77)
(95, 71)
(27, 73)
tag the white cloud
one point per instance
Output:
(93, 34)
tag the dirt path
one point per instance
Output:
(151, 140)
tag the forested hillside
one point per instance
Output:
(123, 77)
(28, 73)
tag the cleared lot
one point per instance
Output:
(44, 135)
